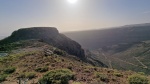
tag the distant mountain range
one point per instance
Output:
(94, 39)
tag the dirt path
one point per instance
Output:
(125, 61)
(144, 66)
(108, 59)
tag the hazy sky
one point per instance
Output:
(82, 15)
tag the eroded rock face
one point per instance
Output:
(48, 35)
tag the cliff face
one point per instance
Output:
(48, 35)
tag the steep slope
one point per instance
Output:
(126, 56)
(95, 39)
(121, 47)
(49, 35)
(33, 58)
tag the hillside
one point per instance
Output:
(124, 48)
(44, 56)
(95, 39)
(126, 56)
(48, 35)
(32, 59)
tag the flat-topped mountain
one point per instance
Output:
(48, 35)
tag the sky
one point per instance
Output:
(65, 16)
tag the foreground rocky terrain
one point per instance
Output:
(32, 59)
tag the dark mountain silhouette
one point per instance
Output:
(49, 35)
(94, 39)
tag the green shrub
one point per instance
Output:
(60, 76)
(22, 75)
(9, 46)
(142, 73)
(41, 69)
(69, 67)
(9, 70)
(59, 52)
(102, 77)
(86, 70)
(2, 77)
(29, 75)
(118, 74)
(137, 79)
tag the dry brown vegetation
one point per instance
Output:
(29, 60)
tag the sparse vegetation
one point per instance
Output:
(31, 62)
(137, 79)
(61, 76)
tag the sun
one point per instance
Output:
(72, 1)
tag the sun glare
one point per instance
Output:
(72, 1)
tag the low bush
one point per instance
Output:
(60, 76)
(87, 71)
(29, 75)
(69, 67)
(102, 77)
(118, 74)
(41, 69)
(9, 70)
(59, 52)
(22, 75)
(137, 79)
(142, 73)
(2, 77)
